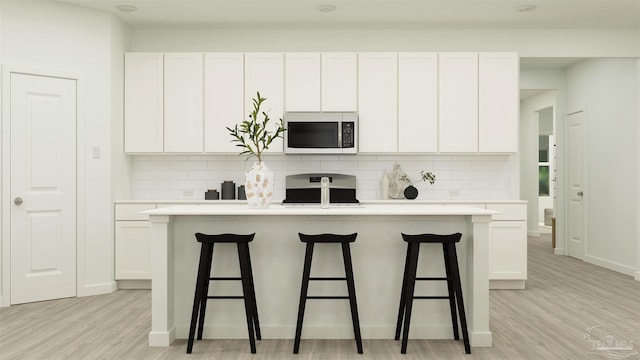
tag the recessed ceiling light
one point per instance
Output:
(127, 8)
(526, 7)
(326, 8)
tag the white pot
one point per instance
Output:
(258, 183)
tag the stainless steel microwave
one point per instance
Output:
(321, 133)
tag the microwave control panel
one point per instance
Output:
(348, 134)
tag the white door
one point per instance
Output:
(43, 188)
(576, 223)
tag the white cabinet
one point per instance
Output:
(458, 102)
(498, 102)
(378, 102)
(418, 102)
(264, 72)
(132, 242)
(143, 105)
(223, 99)
(183, 112)
(508, 247)
(339, 82)
(302, 82)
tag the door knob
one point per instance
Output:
(580, 193)
(17, 201)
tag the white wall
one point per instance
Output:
(476, 177)
(61, 38)
(527, 42)
(120, 163)
(607, 91)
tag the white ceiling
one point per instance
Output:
(425, 13)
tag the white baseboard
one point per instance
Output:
(559, 251)
(320, 332)
(533, 233)
(506, 284)
(624, 269)
(637, 278)
(481, 339)
(134, 284)
(98, 289)
(162, 338)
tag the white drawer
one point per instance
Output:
(509, 211)
(132, 211)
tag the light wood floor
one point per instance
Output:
(564, 298)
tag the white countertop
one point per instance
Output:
(363, 202)
(336, 210)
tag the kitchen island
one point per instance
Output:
(277, 257)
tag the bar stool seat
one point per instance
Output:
(453, 285)
(344, 240)
(204, 278)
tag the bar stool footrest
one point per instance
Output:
(327, 297)
(430, 297)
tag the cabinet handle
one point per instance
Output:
(17, 201)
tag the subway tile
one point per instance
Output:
(475, 177)
(189, 165)
(336, 166)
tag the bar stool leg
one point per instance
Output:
(208, 248)
(411, 283)
(303, 295)
(451, 289)
(256, 322)
(247, 294)
(453, 259)
(402, 295)
(348, 269)
(197, 299)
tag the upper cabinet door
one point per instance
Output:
(264, 72)
(183, 111)
(302, 82)
(458, 102)
(339, 82)
(418, 102)
(499, 102)
(378, 102)
(223, 99)
(143, 105)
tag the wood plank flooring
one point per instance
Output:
(548, 320)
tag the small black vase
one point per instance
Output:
(410, 192)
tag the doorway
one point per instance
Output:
(546, 169)
(42, 188)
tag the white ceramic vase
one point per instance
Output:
(258, 183)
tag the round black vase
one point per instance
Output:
(410, 192)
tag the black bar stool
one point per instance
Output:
(452, 278)
(311, 240)
(204, 277)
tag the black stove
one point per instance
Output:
(305, 189)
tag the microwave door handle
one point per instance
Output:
(339, 135)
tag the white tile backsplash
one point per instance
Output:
(474, 177)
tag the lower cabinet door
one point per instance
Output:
(508, 251)
(133, 250)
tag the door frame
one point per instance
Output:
(567, 187)
(5, 160)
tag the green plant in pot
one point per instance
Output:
(254, 137)
(411, 192)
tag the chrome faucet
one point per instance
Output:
(324, 192)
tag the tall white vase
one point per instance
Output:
(258, 183)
